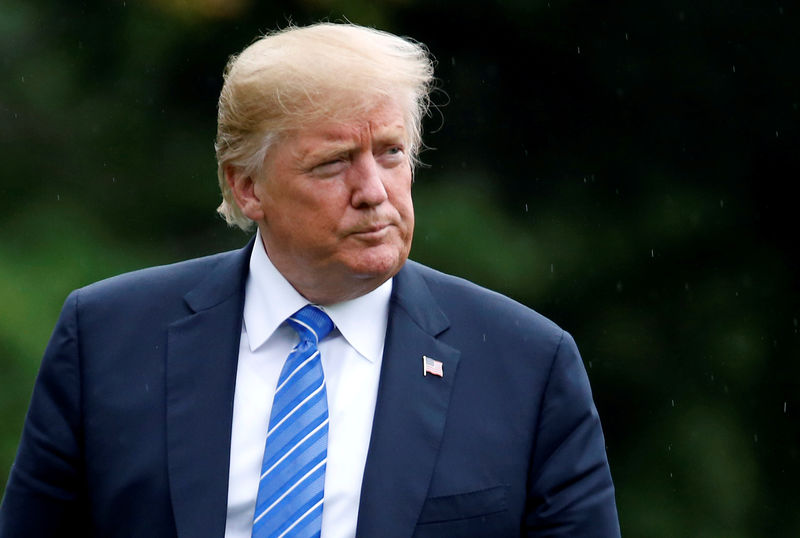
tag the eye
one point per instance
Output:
(393, 155)
(395, 150)
(329, 168)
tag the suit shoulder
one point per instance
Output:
(164, 281)
(460, 297)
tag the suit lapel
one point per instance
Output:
(410, 411)
(202, 355)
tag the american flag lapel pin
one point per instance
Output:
(431, 366)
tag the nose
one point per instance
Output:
(368, 189)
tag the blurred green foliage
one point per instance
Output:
(621, 168)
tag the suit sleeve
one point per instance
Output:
(570, 490)
(45, 495)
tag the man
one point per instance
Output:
(166, 404)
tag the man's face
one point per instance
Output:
(337, 218)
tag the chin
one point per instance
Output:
(378, 265)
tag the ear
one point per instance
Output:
(243, 189)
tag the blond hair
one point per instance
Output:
(296, 76)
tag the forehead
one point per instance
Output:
(383, 123)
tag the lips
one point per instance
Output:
(372, 230)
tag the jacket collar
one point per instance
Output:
(409, 415)
(410, 411)
(202, 354)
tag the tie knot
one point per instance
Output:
(311, 323)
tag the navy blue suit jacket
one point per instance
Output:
(129, 427)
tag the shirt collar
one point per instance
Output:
(270, 299)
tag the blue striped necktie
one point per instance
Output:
(290, 490)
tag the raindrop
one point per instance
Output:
(722, 203)
(627, 37)
(579, 50)
(755, 437)
(58, 197)
(619, 285)
(552, 268)
(453, 60)
(652, 253)
(686, 286)
(526, 208)
(484, 337)
(784, 408)
(590, 364)
(776, 134)
(734, 68)
(22, 78)
(673, 403)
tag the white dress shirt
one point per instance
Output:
(351, 358)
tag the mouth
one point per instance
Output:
(371, 232)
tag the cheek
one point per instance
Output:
(406, 208)
(400, 194)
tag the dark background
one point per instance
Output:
(625, 168)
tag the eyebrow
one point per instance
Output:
(333, 145)
(390, 133)
(323, 152)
